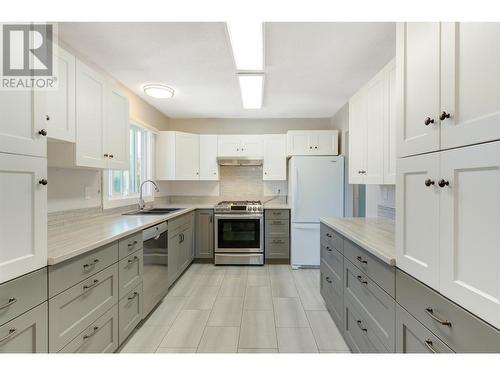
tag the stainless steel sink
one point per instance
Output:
(154, 211)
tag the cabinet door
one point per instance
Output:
(209, 169)
(417, 221)
(187, 156)
(274, 157)
(324, 142)
(116, 129)
(390, 128)
(228, 145)
(357, 139)
(204, 244)
(55, 109)
(23, 222)
(251, 145)
(90, 93)
(470, 87)
(298, 143)
(174, 259)
(417, 60)
(470, 227)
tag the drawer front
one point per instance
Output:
(76, 308)
(466, 334)
(65, 275)
(358, 333)
(331, 291)
(331, 238)
(100, 337)
(378, 306)
(277, 248)
(129, 312)
(277, 228)
(333, 258)
(179, 223)
(380, 272)
(27, 333)
(19, 295)
(276, 214)
(130, 244)
(413, 337)
(130, 273)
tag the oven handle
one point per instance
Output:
(238, 216)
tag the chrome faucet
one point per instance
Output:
(142, 204)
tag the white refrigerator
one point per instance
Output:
(316, 189)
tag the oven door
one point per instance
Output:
(238, 233)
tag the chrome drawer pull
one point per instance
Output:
(133, 296)
(135, 259)
(429, 344)
(361, 260)
(95, 329)
(328, 248)
(132, 244)
(430, 312)
(360, 325)
(11, 333)
(92, 264)
(93, 285)
(328, 280)
(9, 303)
(329, 235)
(360, 279)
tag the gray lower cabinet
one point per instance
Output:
(331, 291)
(180, 245)
(130, 244)
(99, 337)
(277, 234)
(413, 337)
(204, 241)
(130, 273)
(28, 333)
(130, 312)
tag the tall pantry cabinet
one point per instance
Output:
(448, 174)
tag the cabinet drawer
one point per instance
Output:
(331, 291)
(277, 228)
(27, 333)
(277, 248)
(179, 223)
(276, 214)
(378, 306)
(73, 310)
(19, 295)
(333, 258)
(359, 334)
(130, 272)
(413, 337)
(100, 337)
(380, 272)
(331, 238)
(64, 275)
(466, 333)
(130, 244)
(129, 312)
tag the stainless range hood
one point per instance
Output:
(240, 160)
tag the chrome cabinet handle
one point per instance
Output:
(93, 285)
(111, 156)
(277, 241)
(360, 279)
(42, 132)
(430, 345)
(328, 280)
(9, 303)
(11, 333)
(444, 116)
(92, 264)
(43, 182)
(106, 155)
(428, 121)
(95, 329)
(134, 259)
(328, 248)
(133, 296)
(47, 117)
(132, 244)
(329, 235)
(430, 312)
(429, 182)
(361, 260)
(360, 325)
(442, 183)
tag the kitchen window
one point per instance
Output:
(122, 187)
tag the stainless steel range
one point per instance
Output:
(239, 233)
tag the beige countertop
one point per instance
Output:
(375, 235)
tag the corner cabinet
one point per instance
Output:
(209, 169)
(274, 157)
(312, 142)
(446, 95)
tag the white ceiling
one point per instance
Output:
(311, 68)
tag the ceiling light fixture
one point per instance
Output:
(247, 40)
(158, 91)
(251, 86)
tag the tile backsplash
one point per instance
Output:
(241, 182)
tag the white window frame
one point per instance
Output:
(113, 200)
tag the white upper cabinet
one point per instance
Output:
(312, 142)
(240, 146)
(372, 130)
(116, 130)
(209, 169)
(23, 222)
(274, 157)
(177, 156)
(55, 109)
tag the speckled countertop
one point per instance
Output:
(375, 235)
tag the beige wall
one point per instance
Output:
(340, 121)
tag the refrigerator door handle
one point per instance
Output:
(296, 189)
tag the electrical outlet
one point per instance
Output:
(278, 191)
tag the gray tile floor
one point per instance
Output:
(240, 309)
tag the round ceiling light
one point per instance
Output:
(158, 91)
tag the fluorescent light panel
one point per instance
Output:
(248, 44)
(251, 90)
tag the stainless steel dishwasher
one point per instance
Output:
(155, 282)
